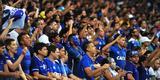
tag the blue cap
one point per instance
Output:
(132, 53)
(61, 8)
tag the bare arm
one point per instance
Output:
(16, 3)
(70, 26)
(6, 73)
(22, 73)
(156, 55)
(152, 55)
(39, 76)
(130, 77)
(14, 65)
(37, 12)
(108, 75)
(59, 3)
(68, 9)
(91, 73)
(74, 77)
(4, 33)
(54, 75)
(26, 4)
(110, 44)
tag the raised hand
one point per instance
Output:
(25, 49)
(10, 22)
(105, 66)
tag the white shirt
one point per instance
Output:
(157, 73)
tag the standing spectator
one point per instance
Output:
(118, 52)
(82, 36)
(74, 53)
(101, 39)
(133, 42)
(144, 28)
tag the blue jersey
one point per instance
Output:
(67, 70)
(99, 59)
(119, 55)
(26, 62)
(2, 62)
(133, 44)
(64, 69)
(52, 66)
(85, 62)
(131, 68)
(12, 59)
(82, 42)
(38, 65)
(101, 42)
(72, 52)
(74, 55)
(143, 73)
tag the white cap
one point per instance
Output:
(44, 39)
(13, 34)
(130, 16)
(144, 39)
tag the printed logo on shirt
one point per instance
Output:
(43, 66)
(118, 52)
(120, 58)
(54, 67)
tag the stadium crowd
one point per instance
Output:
(80, 40)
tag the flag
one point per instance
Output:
(16, 13)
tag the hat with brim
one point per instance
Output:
(144, 39)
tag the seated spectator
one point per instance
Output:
(13, 62)
(4, 73)
(131, 65)
(52, 65)
(156, 68)
(38, 65)
(86, 67)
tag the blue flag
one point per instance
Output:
(16, 13)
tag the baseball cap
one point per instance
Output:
(42, 14)
(132, 53)
(144, 39)
(44, 39)
(61, 8)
